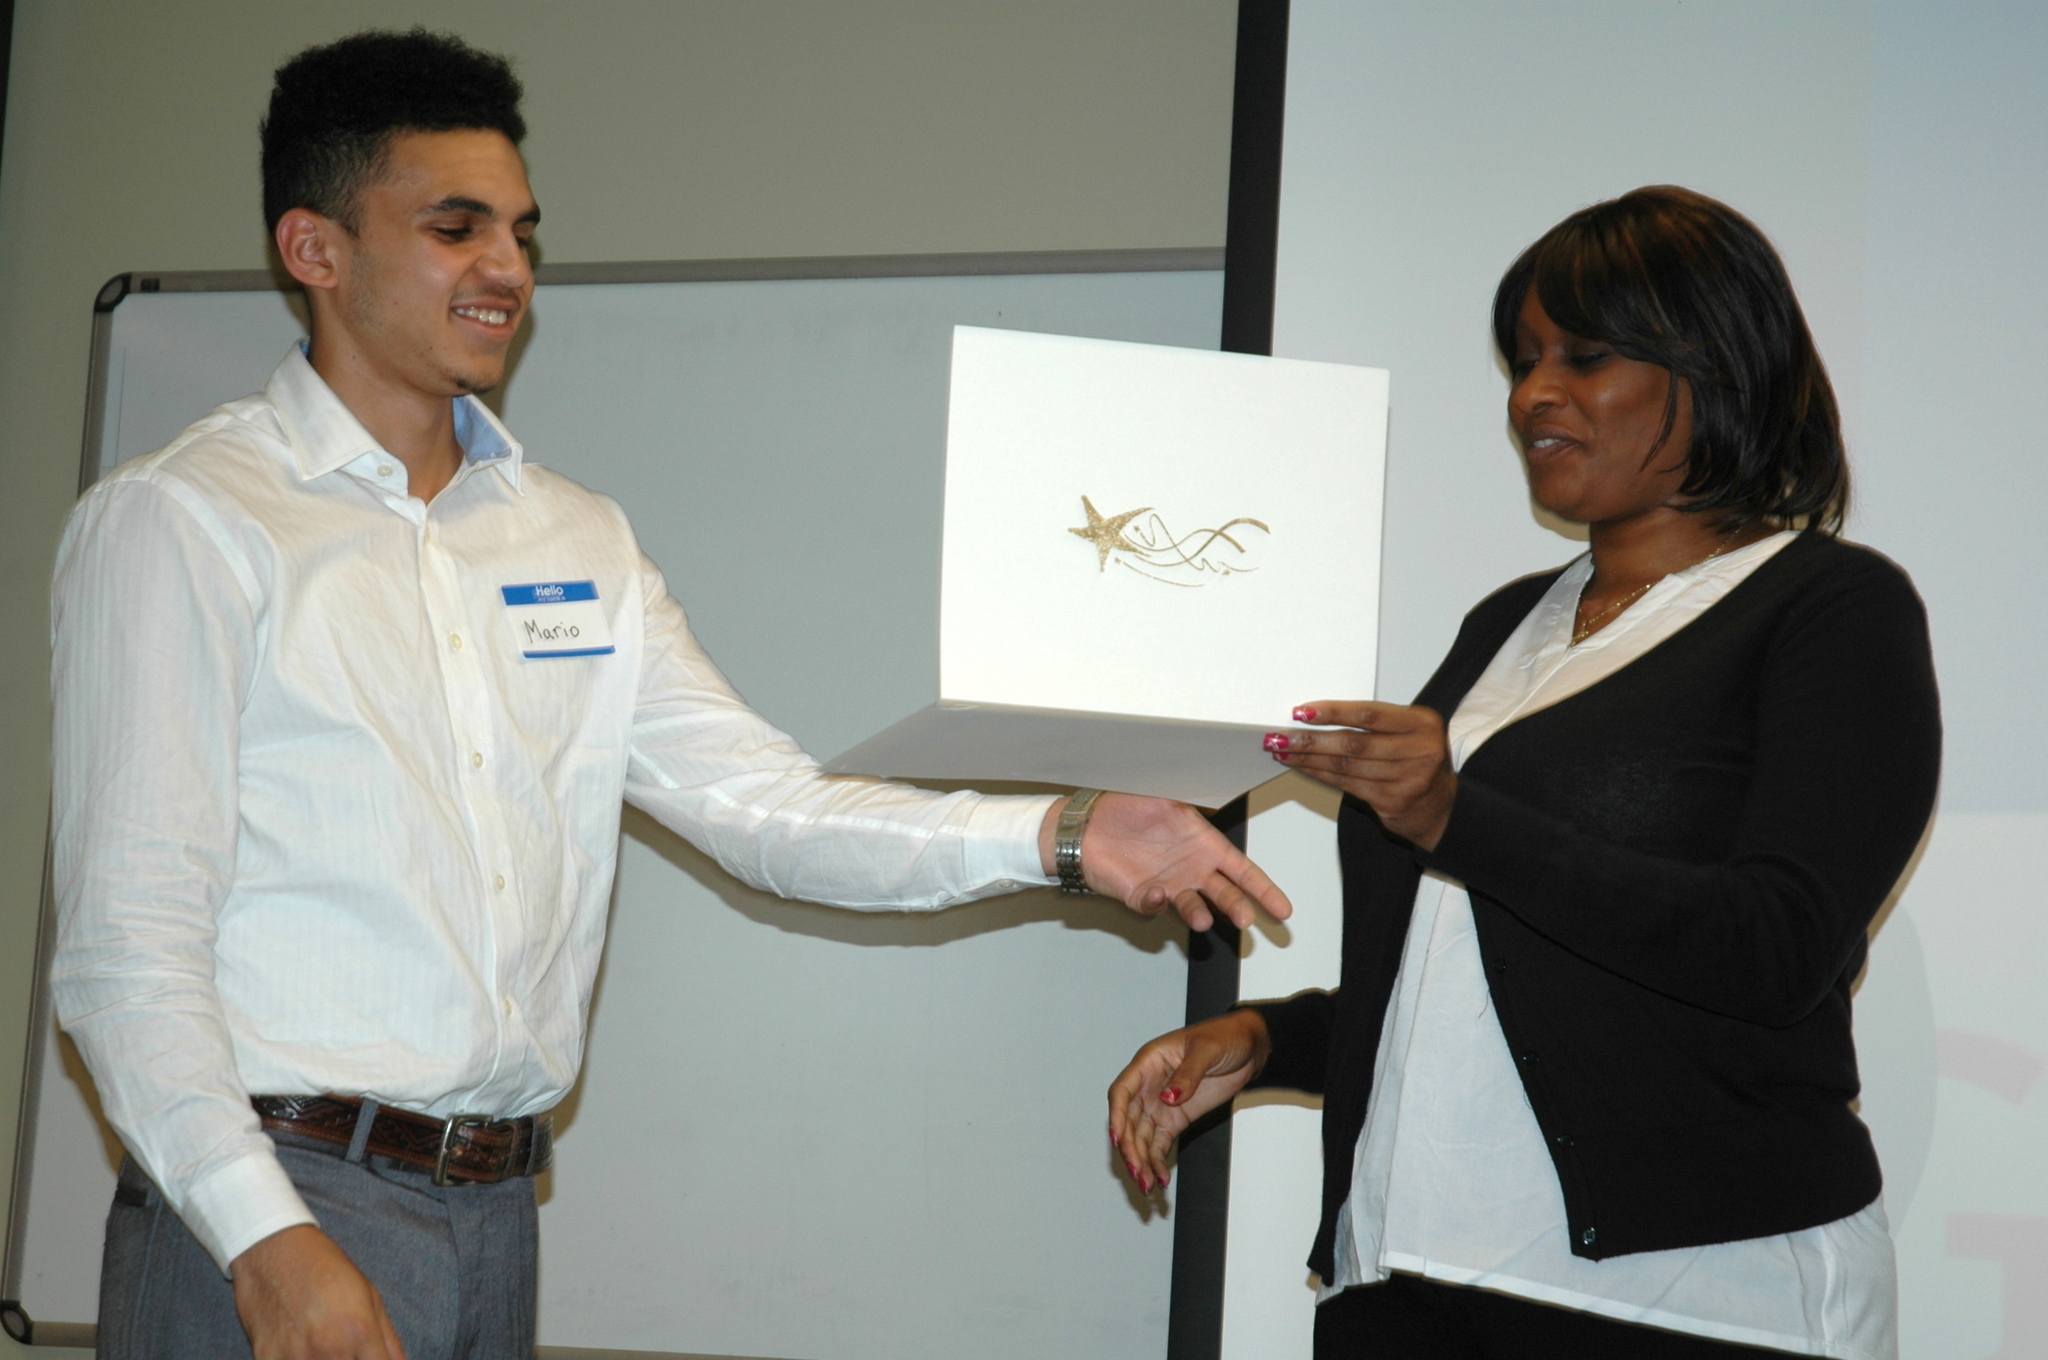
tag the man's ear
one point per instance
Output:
(311, 246)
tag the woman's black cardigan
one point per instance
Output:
(1671, 874)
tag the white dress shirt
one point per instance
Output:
(323, 822)
(1451, 1179)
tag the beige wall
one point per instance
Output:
(662, 129)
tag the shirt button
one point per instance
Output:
(499, 883)
(1589, 1237)
(476, 760)
(385, 469)
(455, 642)
(508, 1005)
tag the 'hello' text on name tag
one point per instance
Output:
(554, 619)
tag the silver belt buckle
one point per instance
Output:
(449, 1130)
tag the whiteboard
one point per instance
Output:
(800, 1132)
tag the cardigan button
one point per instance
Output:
(1562, 1140)
(1530, 1058)
(1588, 1237)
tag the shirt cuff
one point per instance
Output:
(241, 1204)
(1000, 849)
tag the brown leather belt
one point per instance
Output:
(467, 1149)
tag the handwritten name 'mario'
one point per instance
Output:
(550, 632)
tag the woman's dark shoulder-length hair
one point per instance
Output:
(1676, 279)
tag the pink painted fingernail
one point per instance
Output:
(1276, 741)
(1171, 1095)
(1116, 1139)
(1145, 1182)
(1304, 714)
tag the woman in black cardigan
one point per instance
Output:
(1588, 1079)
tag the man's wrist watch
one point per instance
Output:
(1066, 841)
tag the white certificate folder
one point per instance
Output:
(1150, 556)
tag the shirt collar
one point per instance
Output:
(325, 435)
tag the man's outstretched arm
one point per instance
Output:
(712, 769)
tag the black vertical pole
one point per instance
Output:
(1194, 1329)
(1252, 229)
(6, 59)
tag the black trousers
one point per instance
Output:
(1410, 1318)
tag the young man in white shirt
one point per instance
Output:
(336, 808)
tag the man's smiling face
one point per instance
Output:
(435, 279)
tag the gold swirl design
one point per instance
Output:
(1140, 541)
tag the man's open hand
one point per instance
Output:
(1152, 854)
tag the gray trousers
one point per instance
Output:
(456, 1266)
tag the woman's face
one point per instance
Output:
(1588, 418)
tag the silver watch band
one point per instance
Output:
(1066, 841)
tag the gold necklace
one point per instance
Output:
(1585, 628)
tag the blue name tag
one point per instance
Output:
(554, 619)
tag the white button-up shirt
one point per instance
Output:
(1451, 1179)
(336, 810)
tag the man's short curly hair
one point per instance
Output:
(335, 108)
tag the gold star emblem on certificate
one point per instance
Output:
(1157, 553)
(1106, 534)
